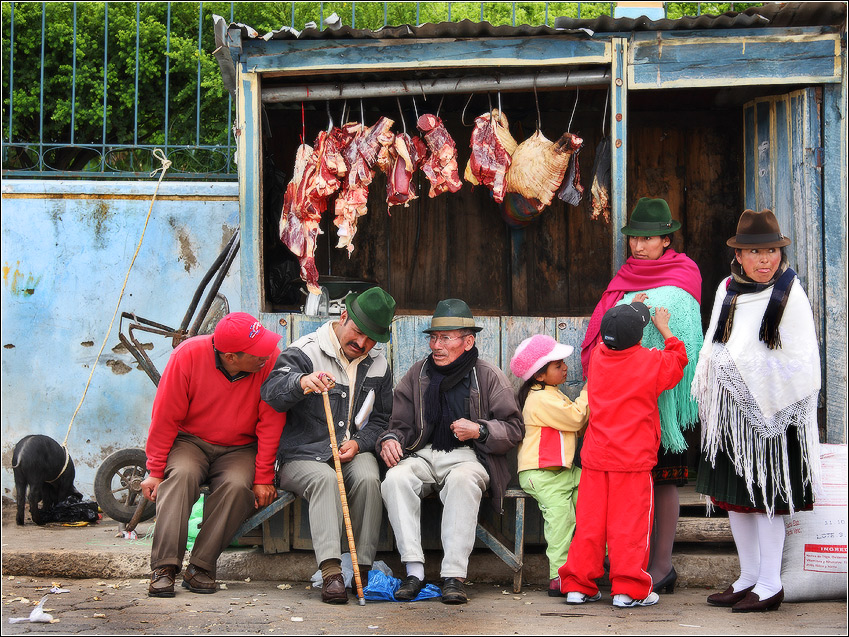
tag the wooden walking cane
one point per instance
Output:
(345, 512)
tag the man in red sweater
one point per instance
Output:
(615, 508)
(209, 425)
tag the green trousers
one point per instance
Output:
(556, 493)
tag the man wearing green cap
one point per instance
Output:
(336, 358)
(454, 418)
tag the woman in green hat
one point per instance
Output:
(672, 280)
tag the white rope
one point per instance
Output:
(163, 168)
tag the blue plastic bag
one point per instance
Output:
(382, 587)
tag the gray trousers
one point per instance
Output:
(461, 481)
(317, 483)
(229, 471)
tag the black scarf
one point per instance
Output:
(436, 410)
(742, 284)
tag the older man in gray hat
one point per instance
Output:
(454, 417)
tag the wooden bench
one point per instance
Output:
(513, 559)
(261, 517)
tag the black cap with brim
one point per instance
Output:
(622, 325)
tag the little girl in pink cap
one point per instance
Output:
(546, 455)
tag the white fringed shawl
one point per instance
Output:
(749, 394)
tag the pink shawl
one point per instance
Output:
(672, 268)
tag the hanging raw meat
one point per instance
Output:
(572, 190)
(299, 224)
(492, 147)
(601, 181)
(440, 165)
(406, 155)
(539, 165)
(361, 155)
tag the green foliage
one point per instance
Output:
(162, 84)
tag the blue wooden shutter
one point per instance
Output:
(783, 171)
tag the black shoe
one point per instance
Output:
(667, 584)
(409, 589)
(453, 591)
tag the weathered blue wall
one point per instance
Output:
(66, 249)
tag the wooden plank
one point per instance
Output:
(703, 530)
(807, 201)
(571, 331)
(279, 324)
(249, 152)
(619, 150)
(750, 163)
(488, 340)
(276, 532)
(515, 329)
(835, 259)
(764, 150)
(306, 57)
(407, 344)
(677, 60)
(301, 325)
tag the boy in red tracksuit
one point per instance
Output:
(615, 507)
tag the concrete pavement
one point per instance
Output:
(106, 577)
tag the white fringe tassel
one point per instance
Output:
(732, 422)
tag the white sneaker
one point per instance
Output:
(626, 601)
(580, 598)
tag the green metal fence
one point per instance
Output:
(90, 89)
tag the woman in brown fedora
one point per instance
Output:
(672, 280)
(757, 383)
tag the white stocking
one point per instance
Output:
(771, 540)
(744, 528)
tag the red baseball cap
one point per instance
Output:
(241, 332)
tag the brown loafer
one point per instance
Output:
(728, 597)
(333, 590)
(199, 580)
(162, 581)
(751, 603)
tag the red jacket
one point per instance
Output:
(196, 398)
(624, 385)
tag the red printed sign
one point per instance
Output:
(826, 558)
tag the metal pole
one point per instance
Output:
(167, 72)
(74, 78)
(105, 84)
(200, 55)
(353, 90)
(11, 72)
(136, 106)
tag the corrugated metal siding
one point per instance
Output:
(790, 14)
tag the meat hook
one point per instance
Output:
(536, 99)
(329, 117)
(604, 114)
(463, 114)
(575, 107)
(403, 123)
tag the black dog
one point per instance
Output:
(44, 466)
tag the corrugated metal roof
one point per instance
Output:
(789, 14)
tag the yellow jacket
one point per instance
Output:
(552, 424)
